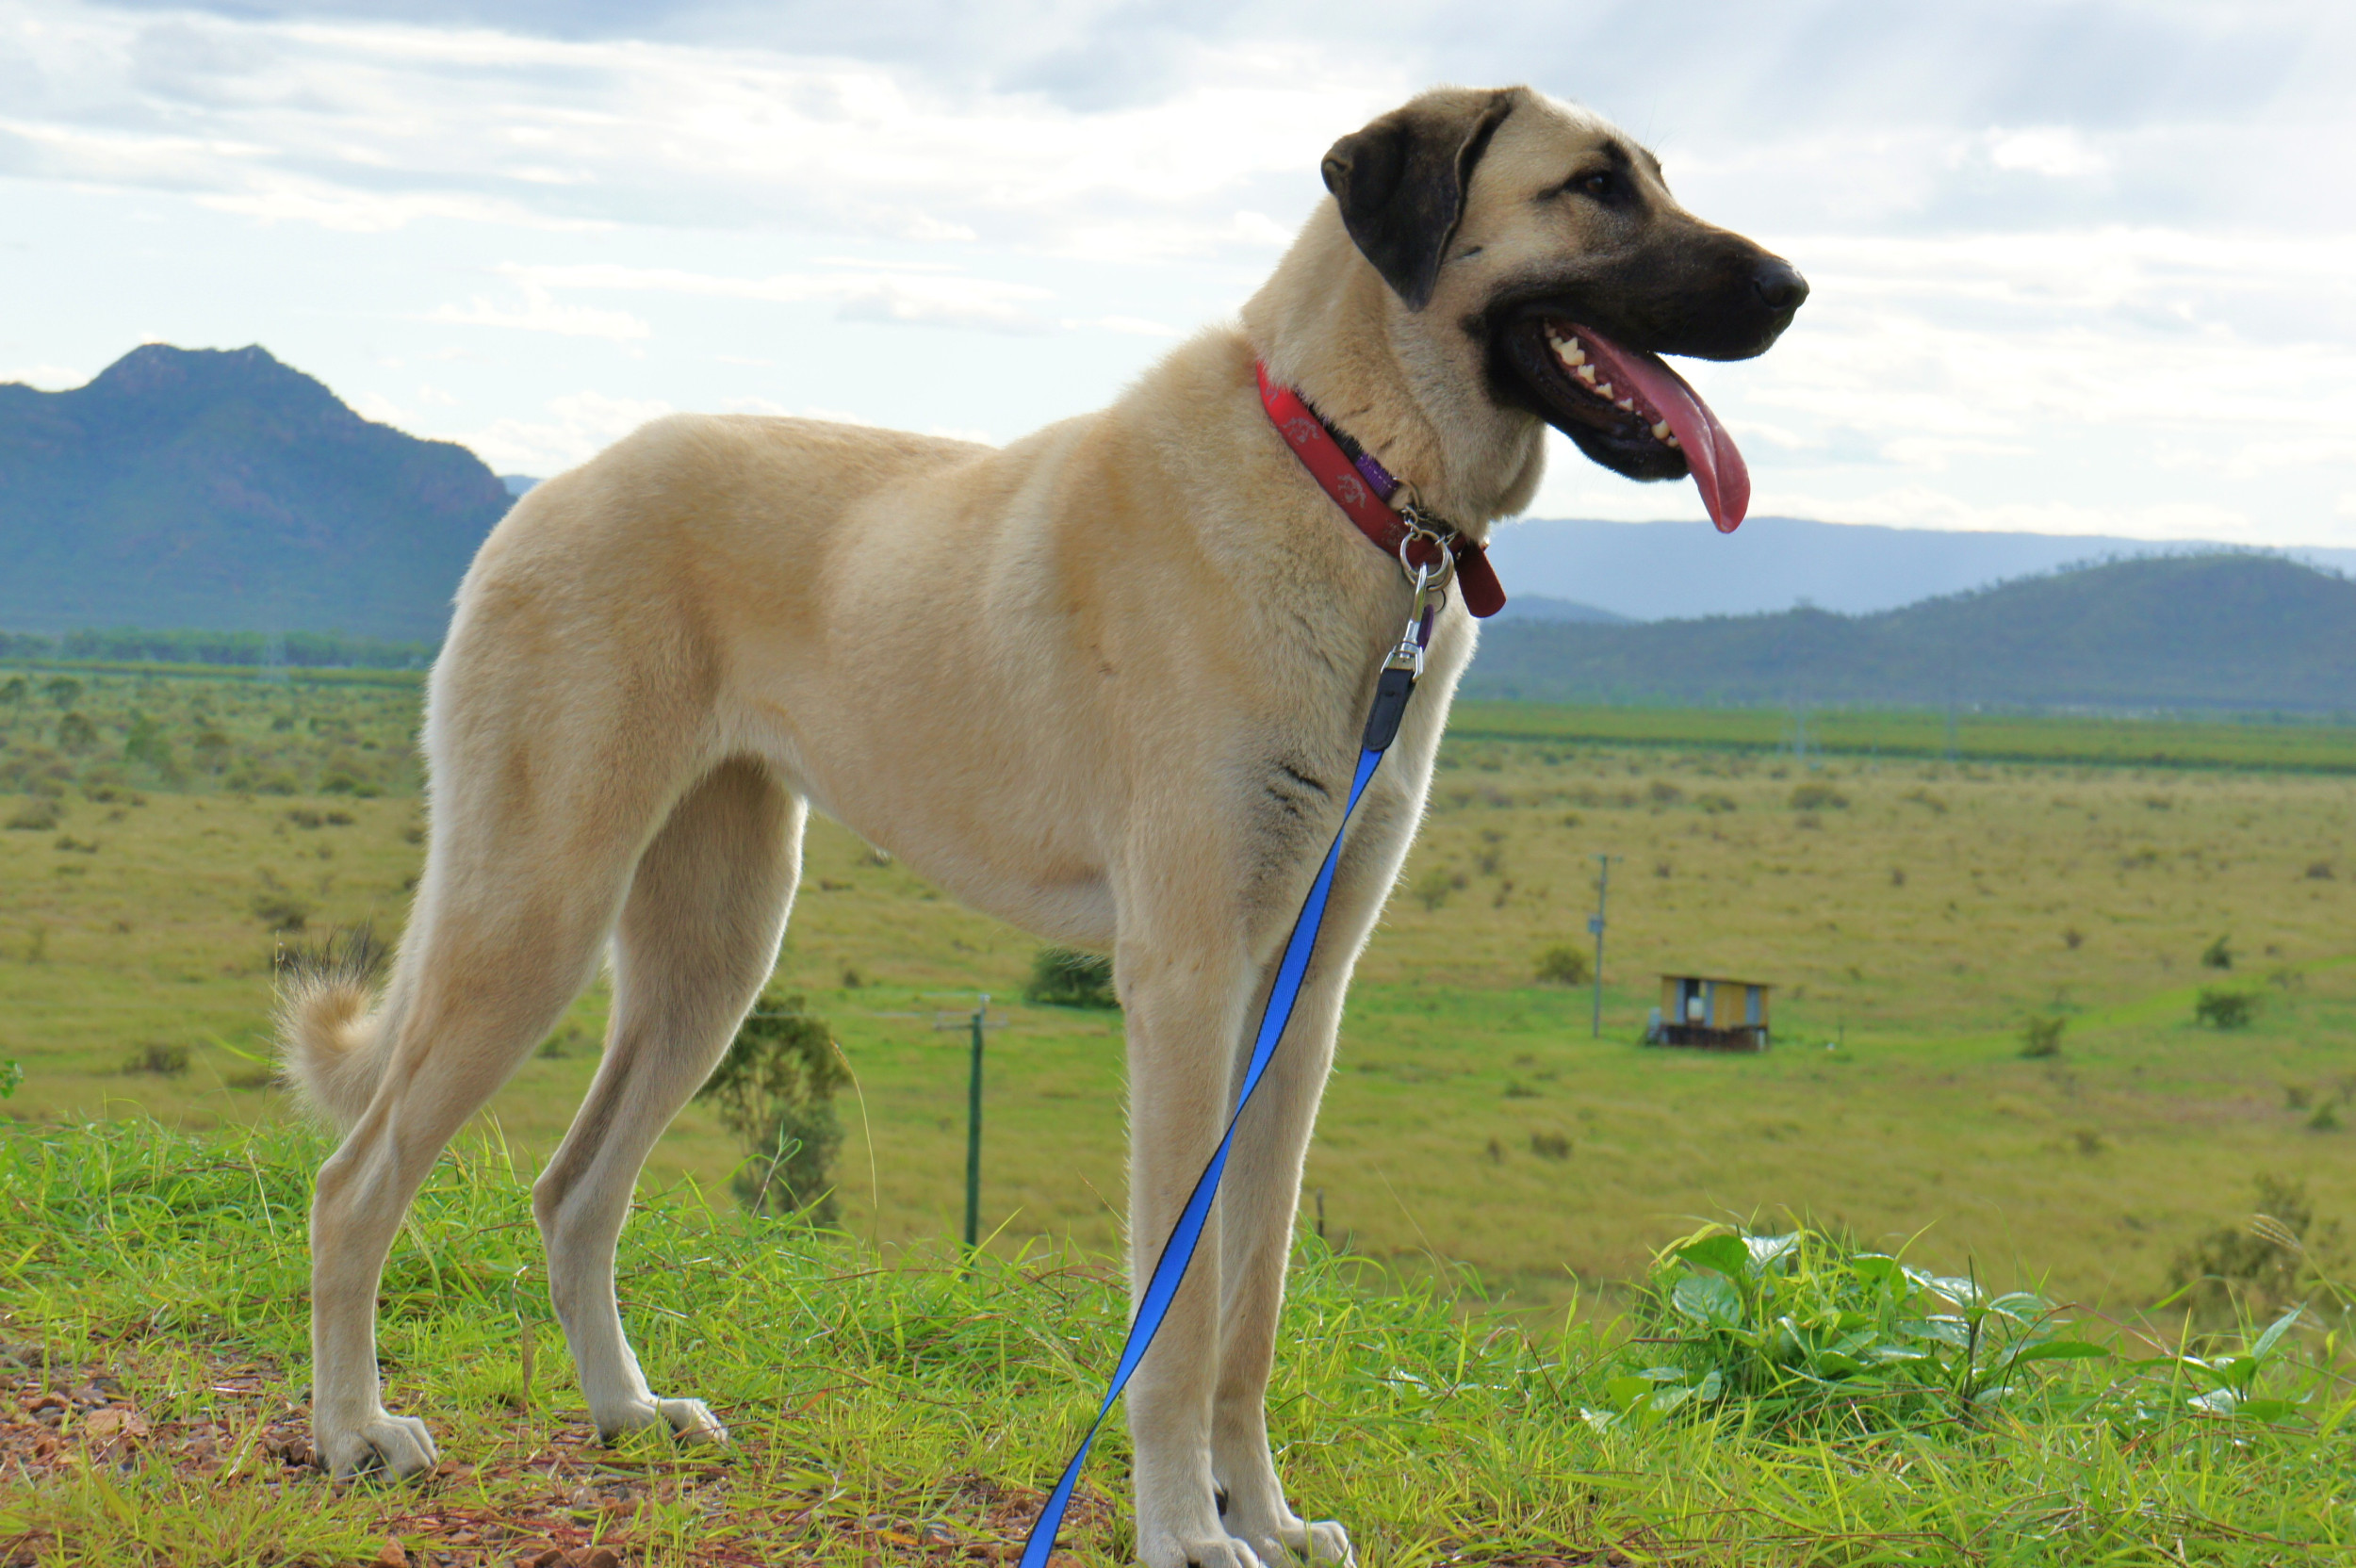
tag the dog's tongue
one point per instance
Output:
(1718, 469)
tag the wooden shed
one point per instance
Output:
(1707, 1012)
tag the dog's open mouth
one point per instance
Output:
(1629, 411)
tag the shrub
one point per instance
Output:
(281, 911)
(2222, 1009)
(1550, 1146)
(2041, 1037)
(164, 1061)
(1714, 803)
(2319, 870)
(2262, 1265)
(1662, 792)
(1062, 978)
(775, 1090)
(1817, 797)
(1563, 965)
(35, 816)
(2218, 954)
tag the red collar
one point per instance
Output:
(1364, 488)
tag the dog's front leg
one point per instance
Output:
(1261, 1195)
(1185, 1010)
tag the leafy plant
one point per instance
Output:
(11, 1078)
(1806, 1331)
(1063, 978)
(1817, 797)
(775, 1090)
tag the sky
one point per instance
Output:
(2077, 268)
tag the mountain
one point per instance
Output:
(2220, 630)
(1537, 607)
(1656, 571)
(222, 490)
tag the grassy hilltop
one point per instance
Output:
(1779, 1399)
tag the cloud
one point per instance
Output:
(541, 313)
(2078, 258)
(928, 297)
(580, 425)
(2058, 151)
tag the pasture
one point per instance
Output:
(1912, 914)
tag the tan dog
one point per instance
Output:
(1105, 683)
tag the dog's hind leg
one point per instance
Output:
(515, 905)
(696, 940)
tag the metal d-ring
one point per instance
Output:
(1427, 578)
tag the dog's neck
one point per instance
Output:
(1392, 381)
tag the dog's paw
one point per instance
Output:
(1322, 1542)
(692, 1421)
(689, 1420)
(1215, 1551)
(393, 1446)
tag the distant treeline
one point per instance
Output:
(315, 651)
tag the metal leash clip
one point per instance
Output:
(1429, 597)
(1425, 529)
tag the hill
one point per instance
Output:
(220, 490)
(2218, 632)
(1658, 571)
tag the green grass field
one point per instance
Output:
(1912, 915)
(1468, 1372)
(1762, 1405)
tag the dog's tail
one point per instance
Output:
(331, 1040)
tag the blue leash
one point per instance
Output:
(1395, 685)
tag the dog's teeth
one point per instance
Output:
(1570, 354)
(1603, 389)
(1626, 405)
(1587, 374)
(1661, 431)
(1673, 441)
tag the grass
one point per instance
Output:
(2267, 741)
(1916, 928)
(893, 1406)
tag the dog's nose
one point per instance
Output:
(1780, 285)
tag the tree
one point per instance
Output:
(775, 1092)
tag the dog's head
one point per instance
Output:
(1538, 248)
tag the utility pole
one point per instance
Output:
(1595, 924)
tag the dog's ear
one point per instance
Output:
(1401, 184)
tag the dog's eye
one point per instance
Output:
(1602, 186)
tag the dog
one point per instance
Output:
(1104, 683)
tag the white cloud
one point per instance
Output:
(2058, 151)
(541, 313)
(583, 424)
(2067, 271)
(928, 296)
